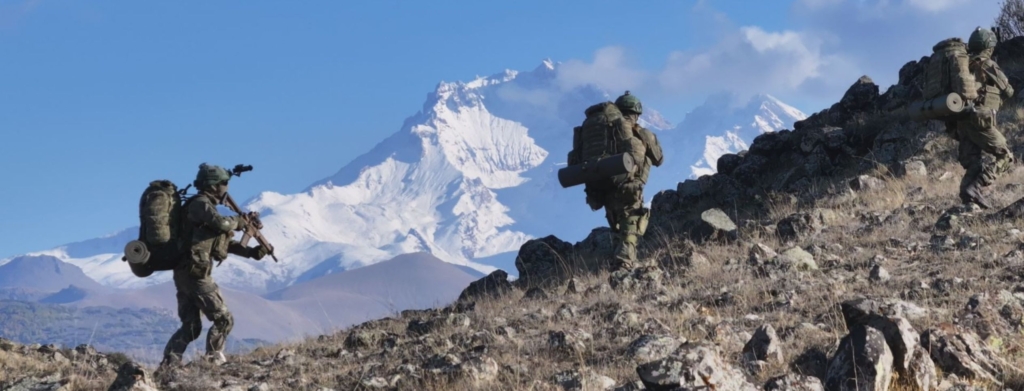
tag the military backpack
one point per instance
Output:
(948, 71)
(159, 246)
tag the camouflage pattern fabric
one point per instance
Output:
(623, 204)
(198, 297)
(983, 152)
(210, 235)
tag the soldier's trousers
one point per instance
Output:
(197, 297)
(623, 208)
(978, 136)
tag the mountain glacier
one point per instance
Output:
(724, 128)
(469, 179)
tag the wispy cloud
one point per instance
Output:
(829, 45)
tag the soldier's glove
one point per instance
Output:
(199, 270)
(257, 252)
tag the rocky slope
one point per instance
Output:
(833, 256)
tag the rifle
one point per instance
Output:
(253, 225)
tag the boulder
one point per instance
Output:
(714, 224)
(494, 285)
(863, 362)
(652, 347)
(764, 345)
(132, 377)
(693, 366)
(960, 352)
(866, 182)
(544, 261)
(794, 382)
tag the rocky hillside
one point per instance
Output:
(834, 256)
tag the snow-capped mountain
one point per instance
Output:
(469, 179)
(718, 127)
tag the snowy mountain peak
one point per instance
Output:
(724, 127)
(468, 179)
(547, 64)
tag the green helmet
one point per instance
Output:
(629, 103)
(210, 175)
(981, 39)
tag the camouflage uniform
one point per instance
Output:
(623, 204)
(211, 240)
(978, 132)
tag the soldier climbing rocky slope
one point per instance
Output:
(835, 256)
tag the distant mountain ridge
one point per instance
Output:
(468, 178)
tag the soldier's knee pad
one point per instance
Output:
(224, 321)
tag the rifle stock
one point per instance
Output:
(252, 227)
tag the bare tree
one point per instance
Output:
(1010, 22)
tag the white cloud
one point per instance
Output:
(609, 71)
(752, 61)
(826, 47)
(936, 5)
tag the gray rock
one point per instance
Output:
(960, 352)
(794, 382)
(132, 377)
(798, 259)
(49, 383)
(573, 380)
(693, 366)
(759, 254)
(714, 224)
(570, 343)
(481, 369)
(728, 163)
(866, 182)
(493, 285)
(878, 273)
(914, 169)
(542, 261)
(365, 339)
(921, 374)
(764, 345)
(566, 312)
(863, 362)
(899, 335)
(575, 287)
(443, 364)
(375, 383)
(640, 279)
(804, 224)
(652, 347)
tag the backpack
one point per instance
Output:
(948, 70)
(601, 133)
(160, 230)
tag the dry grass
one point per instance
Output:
(719, 301)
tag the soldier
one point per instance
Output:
(978, 132)
(209, 236)
(623, 202)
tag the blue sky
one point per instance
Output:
(98, 98)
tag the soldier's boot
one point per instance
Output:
(972, 194)
(625, 254)
(217, 358)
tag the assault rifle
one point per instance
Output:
(253, 225)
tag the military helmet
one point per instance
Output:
(210, 175)
(629, 103)
(981, 39)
